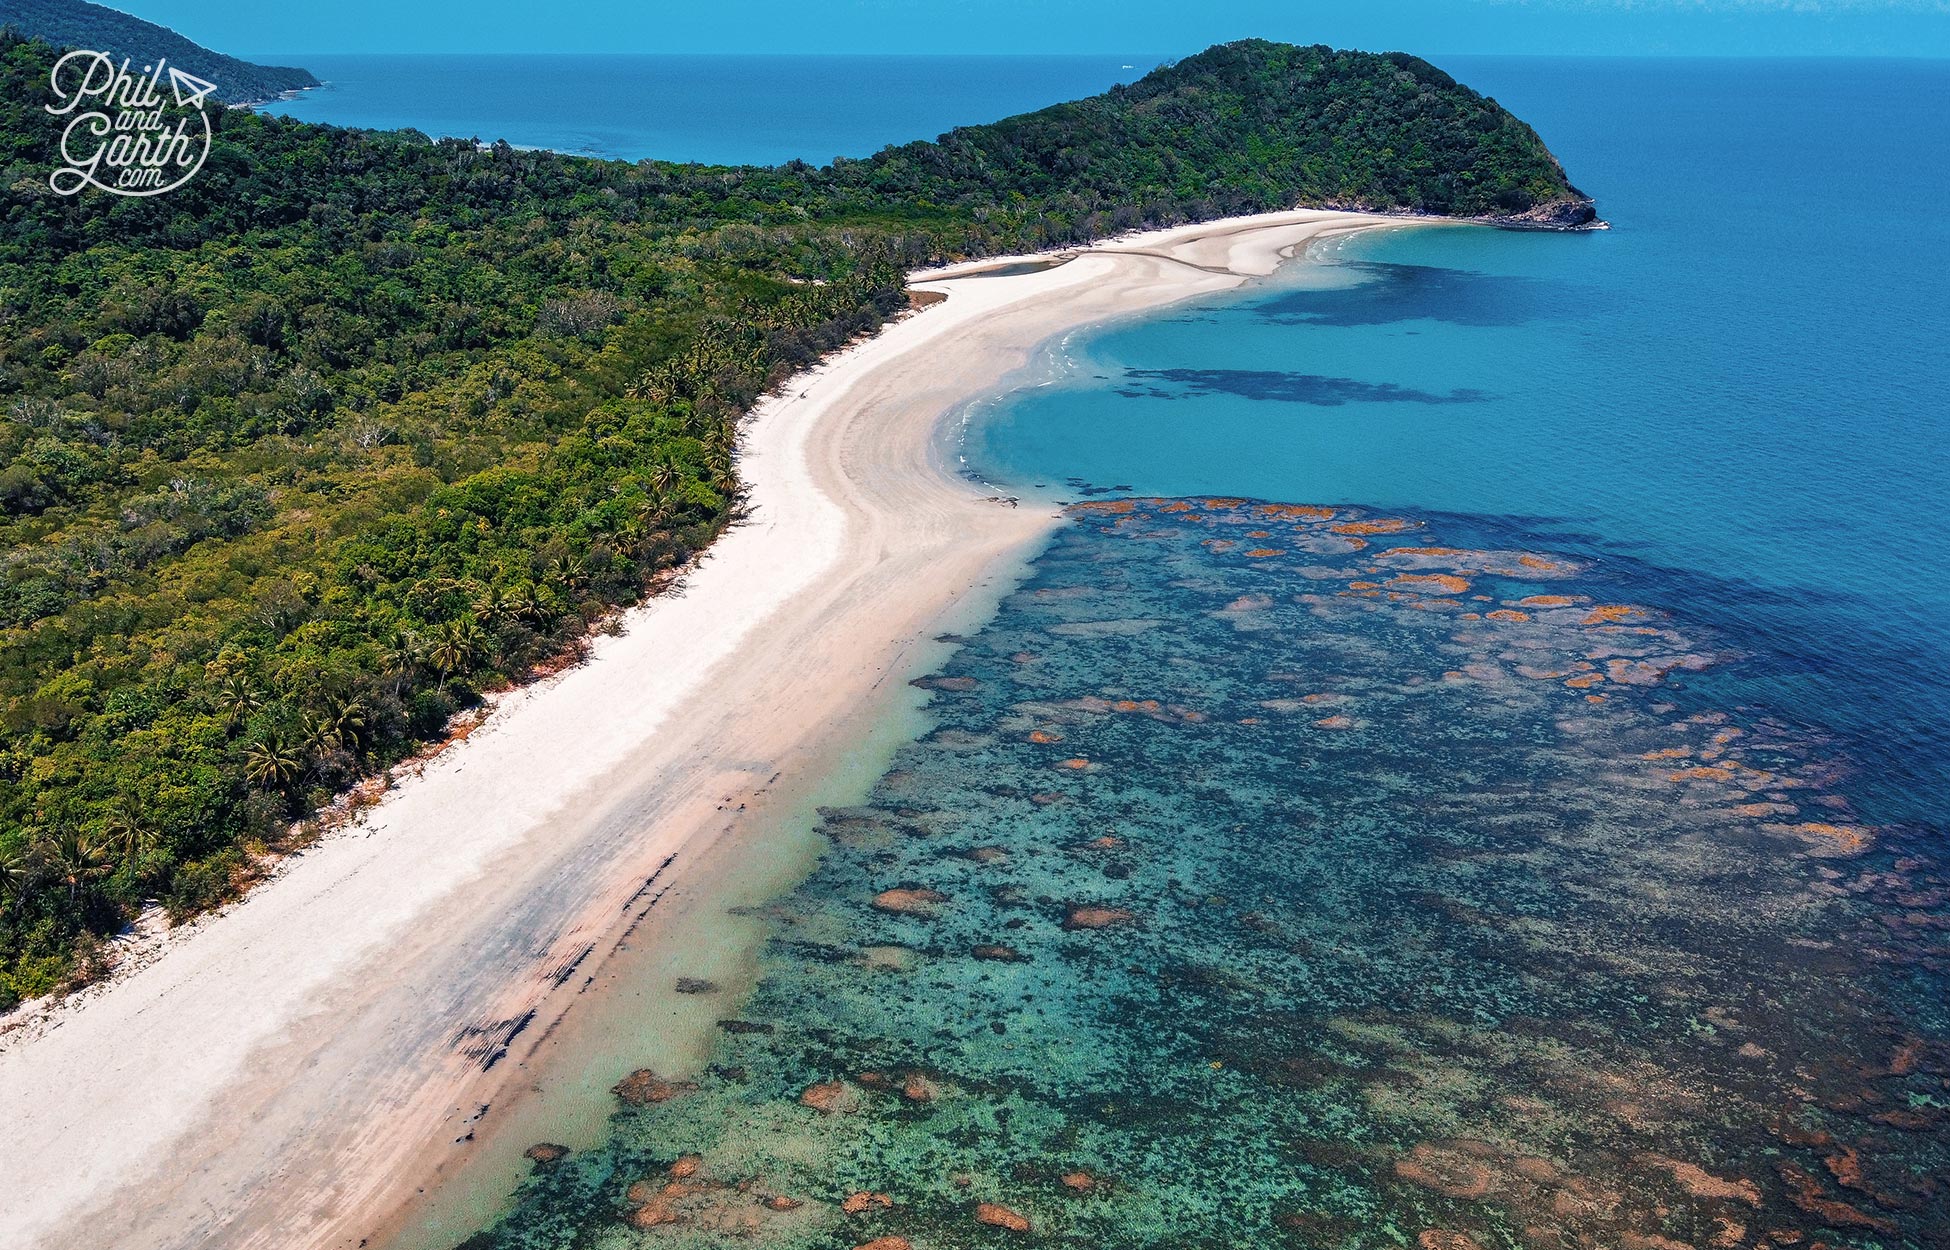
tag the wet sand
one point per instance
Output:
(391, 1011)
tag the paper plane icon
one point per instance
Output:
(189, 89)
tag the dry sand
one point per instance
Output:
(292, 1071)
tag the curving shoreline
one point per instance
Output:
(293, 1070)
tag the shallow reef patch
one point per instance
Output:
(1294, 876)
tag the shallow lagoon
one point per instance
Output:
(1281, 876)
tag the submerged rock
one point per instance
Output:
(995, 1215)
(1448, 1171)
(1448, 583)
(643, 1087)
(1700, 1183)
(909, 902)
(954, 685)
(1091, 916)
(829, 1097)
(1805, 1192)
(1376, 525)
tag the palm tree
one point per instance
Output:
(272, 764)
(565, 571)
(236, 698)
(348, 720)
(722, 441)
(654, 385)
(319, 737)
(16, 875)
(455, 645)
(401, 657)
(665, 477)
(337, 728)
(127, 835)
(76, 860)
(492, 604)
(526, 603)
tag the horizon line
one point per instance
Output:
(1057, 56)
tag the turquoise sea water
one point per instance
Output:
(759, 110)
(1525, 831)
(1748, 378)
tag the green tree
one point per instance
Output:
(75, 860)
(271, 763)
(455, 646)
(401, 656)
(236, 698)
(17, 872)
(127, 836)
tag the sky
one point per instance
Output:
(1165, 27)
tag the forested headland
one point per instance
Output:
(79, 24)
(298, 460)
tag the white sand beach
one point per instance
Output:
(297, 1069)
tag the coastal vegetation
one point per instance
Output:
(303, 458)
(78, 24)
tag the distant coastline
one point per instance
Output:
(79, 24)
(720, 110)
(290, 93)
(714, 110)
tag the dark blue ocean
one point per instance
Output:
(1467, 775)
(731, 110)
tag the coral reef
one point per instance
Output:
(1262, 883)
